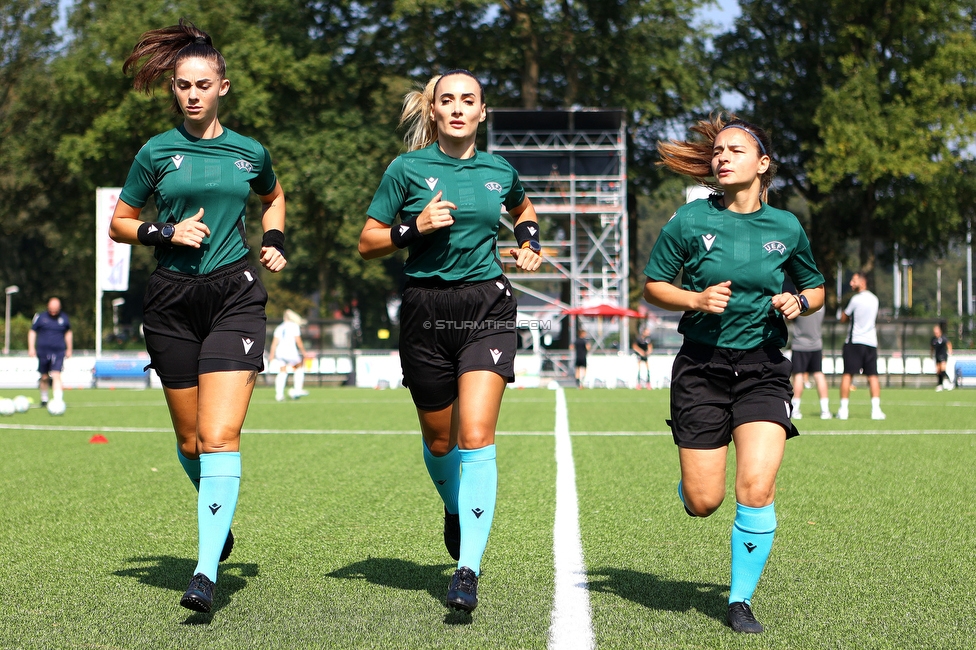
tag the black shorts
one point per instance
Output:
(448, 329)
(860, 358)
(715, 390)
(807, 361)
(49, 361)
(941, 358)
(195, 324)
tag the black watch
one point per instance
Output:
(533, 246)
(167, 232)
(804, 303)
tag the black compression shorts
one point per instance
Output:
(715, 390)
(448, 329)
(195, 324)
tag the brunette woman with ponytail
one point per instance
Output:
(730, 381)
(204, 307)
(457, 338)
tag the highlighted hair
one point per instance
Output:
(164, 49)
(693, 157)
(421, 131)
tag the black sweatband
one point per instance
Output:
(274, 239)
(150, 234)
(526, 231)
(405, 233)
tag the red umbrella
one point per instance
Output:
(603, 310)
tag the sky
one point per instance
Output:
(721, 12)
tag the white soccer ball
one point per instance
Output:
(7, 406)
(22, 403)
(56, 407)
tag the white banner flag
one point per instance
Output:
(111, 258)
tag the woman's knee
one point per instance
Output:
(703, 500)
(755, 492)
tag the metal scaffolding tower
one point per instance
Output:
(573, 165)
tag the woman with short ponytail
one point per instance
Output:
(457, 338)
(730, 381)
(204, 309)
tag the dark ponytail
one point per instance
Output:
(163, 49)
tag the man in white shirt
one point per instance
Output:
(861, 346)
(287, 348)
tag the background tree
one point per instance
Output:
(870, 104)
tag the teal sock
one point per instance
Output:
(752, 540)
(445, 472)
(220, 482)
(191, 467)
(681, 495)
(476, 503)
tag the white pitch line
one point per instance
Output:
(571, 627)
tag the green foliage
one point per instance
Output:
(871, 106)
(19, 327)
(320, 85)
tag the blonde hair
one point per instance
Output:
(421, 131)
(415, 115)
(694, 157)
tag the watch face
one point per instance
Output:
(535, 246)
(167, 231)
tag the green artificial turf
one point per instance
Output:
(339, 529)
(875, 546)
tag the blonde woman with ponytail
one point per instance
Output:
(730, 382)
(442, 200)
(204, 315)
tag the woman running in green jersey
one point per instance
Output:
(457, 316)
(730, 381)
(204, 307)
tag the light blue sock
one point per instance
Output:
(191, 467)
(752, 540)
(476, 503)
(220, 482)
(445, 472)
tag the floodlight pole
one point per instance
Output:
(9, 291)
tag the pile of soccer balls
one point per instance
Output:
(22, 403)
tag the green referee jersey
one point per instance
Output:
(756, 251)
(479, 186)
(185, 174)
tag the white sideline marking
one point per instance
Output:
(391, 432)
(571, 626)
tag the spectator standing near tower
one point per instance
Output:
(861, 346)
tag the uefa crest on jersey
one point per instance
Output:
(492, 186)
(775, 246)
(243, 165)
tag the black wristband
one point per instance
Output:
(274, 239)
(405, 233)
(151, 234)
(526, 231)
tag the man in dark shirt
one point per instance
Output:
(50, 340)
(941, 349)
